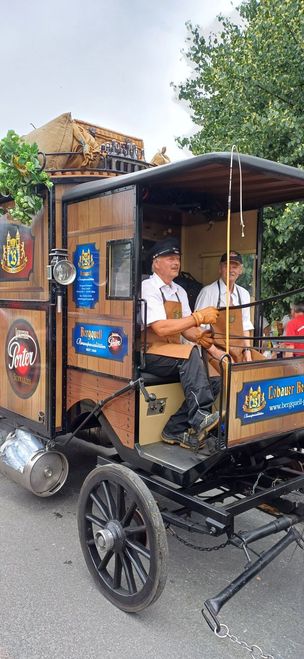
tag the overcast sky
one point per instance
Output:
(108, 62)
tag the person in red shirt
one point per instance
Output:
(295, 327)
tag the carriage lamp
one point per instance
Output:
(61, 269)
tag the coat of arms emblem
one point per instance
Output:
(13, 258)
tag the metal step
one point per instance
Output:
(178, 459)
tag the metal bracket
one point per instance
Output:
(157, 406)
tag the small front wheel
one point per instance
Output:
(123, 537)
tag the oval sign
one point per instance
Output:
(22, 358)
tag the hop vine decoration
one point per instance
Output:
(20, 174)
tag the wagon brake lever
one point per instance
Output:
(148, 397)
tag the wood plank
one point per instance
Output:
(258, 374)
(120, 412)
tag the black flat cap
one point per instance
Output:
(234, 256)
(163, 248)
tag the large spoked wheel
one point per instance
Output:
(123, 537)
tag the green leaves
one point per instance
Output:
(246, 88)
(20, 174)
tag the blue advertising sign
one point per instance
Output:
(86, 284)
(265, 399)
(103, 341)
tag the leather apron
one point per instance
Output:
(169, 346)
(236, 346)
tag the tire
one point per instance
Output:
(131, 573)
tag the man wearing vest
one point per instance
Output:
(168, 317)
(239, 319)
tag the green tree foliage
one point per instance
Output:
(247, 88)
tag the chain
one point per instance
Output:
(255, 651)
(299, 539)
(197, 547)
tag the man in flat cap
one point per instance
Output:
(239, 319)
(169, 317)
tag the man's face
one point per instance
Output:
(235, 270)
(167, 267)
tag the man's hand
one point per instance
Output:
(206, 316)
(205, 339)
(247, 355)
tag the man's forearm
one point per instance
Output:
(247, 342)
(171, 326)
(192, 334)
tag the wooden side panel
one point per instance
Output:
(96, 222)
(267, 399)
(120, 412)
(151, 425)
(23, 363)
(23, 258)
(203, 244)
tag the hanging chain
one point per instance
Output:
(197, 547)
(255, 651)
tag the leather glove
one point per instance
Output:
(205, 339)
(206, 316)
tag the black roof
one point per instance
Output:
(207, 177)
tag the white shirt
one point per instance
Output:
(209, 295)
(151, 292)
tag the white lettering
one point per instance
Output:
(21, 357)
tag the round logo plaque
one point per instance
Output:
(22, 358)
(114, 342)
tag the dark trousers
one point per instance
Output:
(200, 390)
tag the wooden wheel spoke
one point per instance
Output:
(105, 560)
(120, 502)
(129, 514)
(95, 520)
(109, 499)
(117, 572)
(100, 505)
(140, 549)
(137, 565)
(134, 530)
(129, 575)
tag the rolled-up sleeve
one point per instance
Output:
(154, 303)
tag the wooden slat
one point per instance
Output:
(120, 412)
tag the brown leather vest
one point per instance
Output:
(169, 346)
(236, 346)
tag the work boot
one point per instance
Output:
(178, 438)
(198, 436)
(185, 440)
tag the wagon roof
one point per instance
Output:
(207, 177)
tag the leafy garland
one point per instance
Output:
(20, 174)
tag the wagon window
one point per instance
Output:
(119, 269)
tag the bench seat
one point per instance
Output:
(151, 380)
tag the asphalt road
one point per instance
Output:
(51, 609)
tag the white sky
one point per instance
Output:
(108, 62)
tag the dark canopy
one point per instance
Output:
(205, 179)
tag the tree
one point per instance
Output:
(247, 88)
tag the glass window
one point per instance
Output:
(119, 269)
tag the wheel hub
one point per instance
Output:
(111, 537)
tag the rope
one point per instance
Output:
(294, 291)
(228, 239)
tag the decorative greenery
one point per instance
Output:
(20, 174)
(246, 88)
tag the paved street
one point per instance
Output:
(51, 609)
